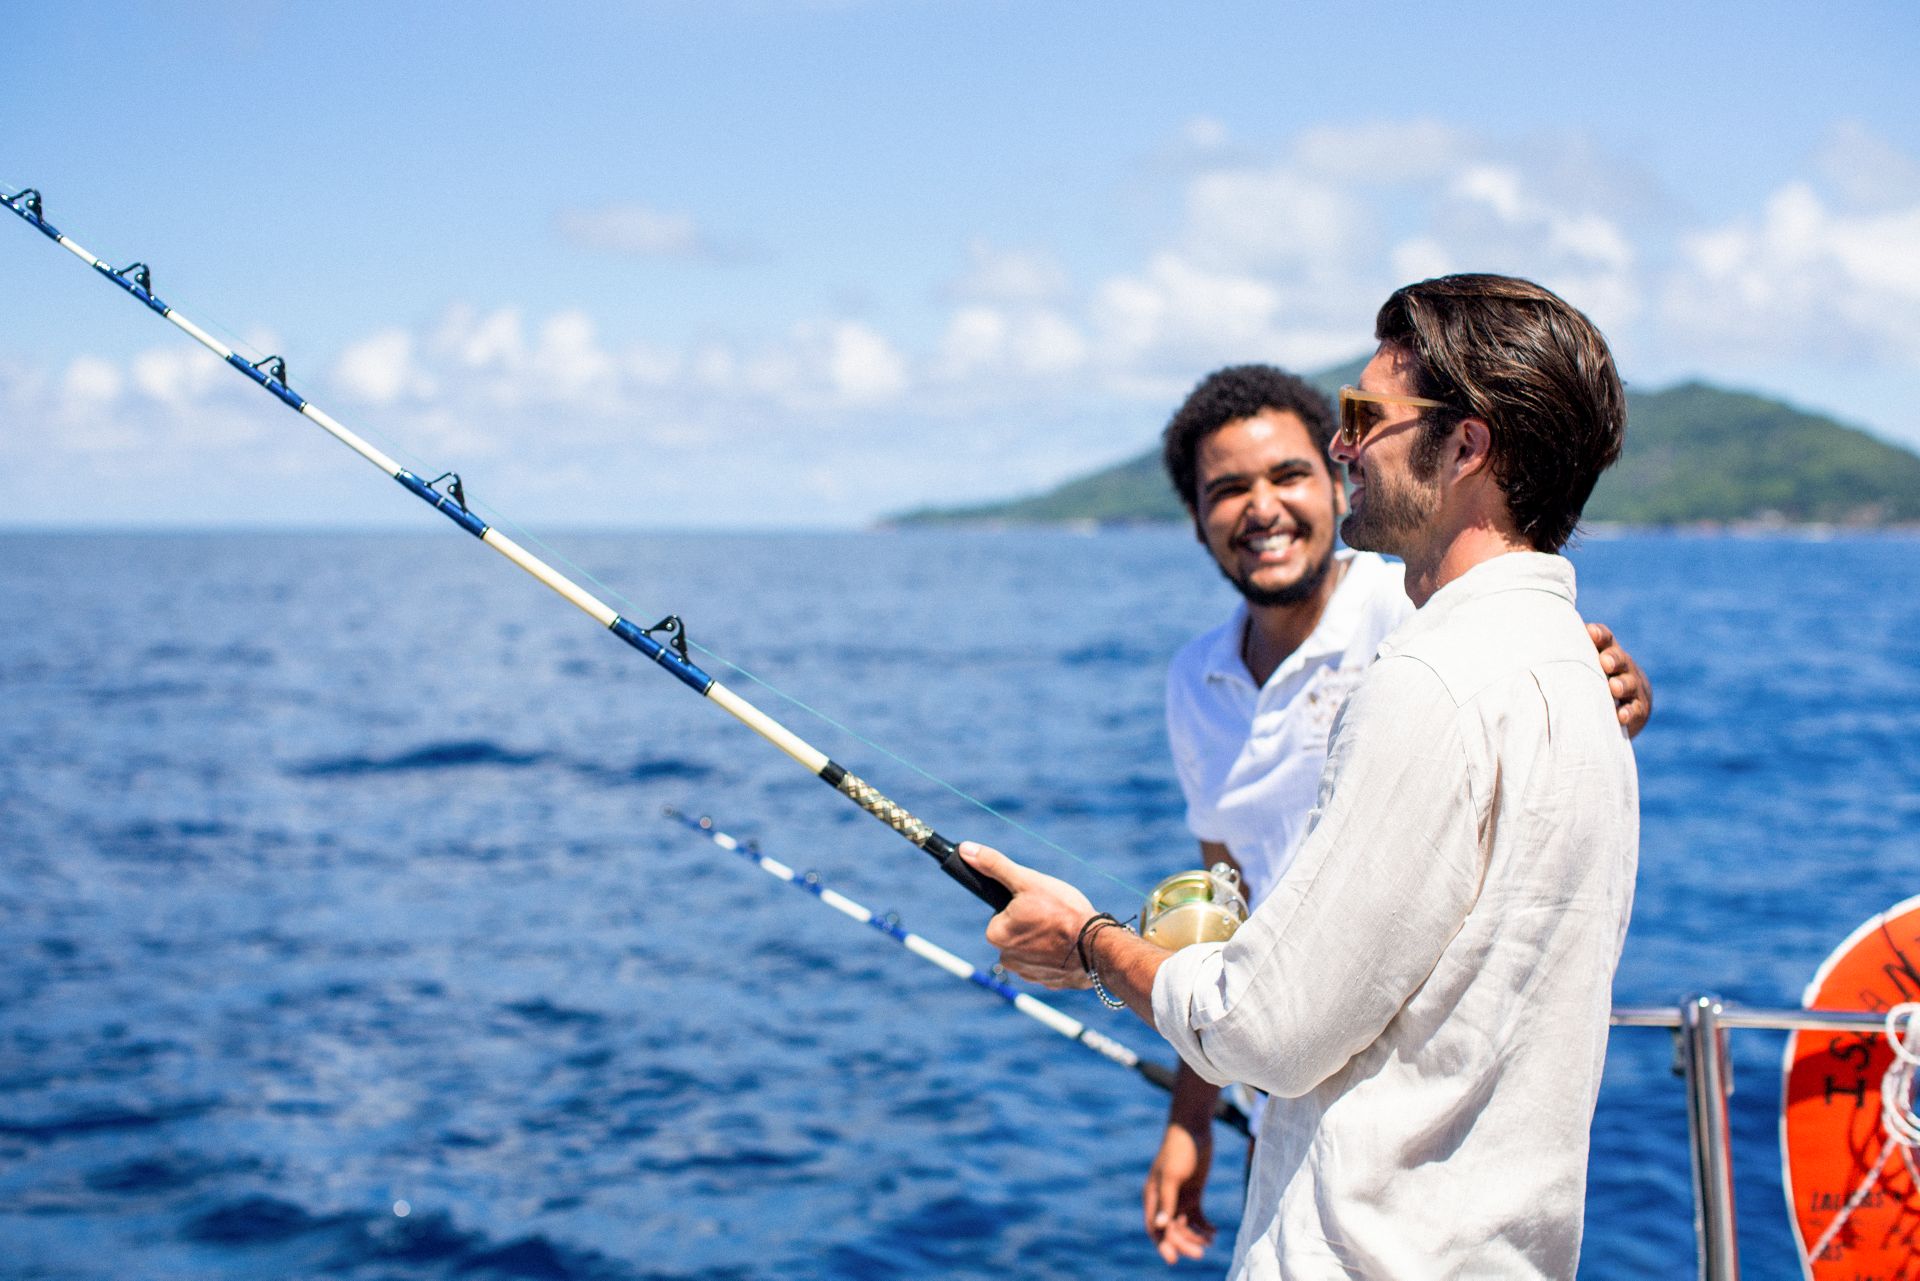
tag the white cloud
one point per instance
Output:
(1383, 152)
(1273, 219)
(381, 369)
(479, 342)
(1174, 320)
(157, 412)
(1174, 306)
(818, 366)
(1536, 226)
(648, 366)
(1281, 257)
(864, 365)
(1286, 258)
(1590, 238)
(1010, 275)
(1491, 216)
(633, 231)
(1204, 133)
(1495, 186)
(179, 375)
(87, 405)
(976, 340)
(571, 364)
(1422, 258)
(985, 343)
(1802, 279)
(1049, 343)
(501, 362)
(1865, 170)
(92, 382)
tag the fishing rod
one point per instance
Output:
(1224, 1110)
(270, 374)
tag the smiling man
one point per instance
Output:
(1424, 988)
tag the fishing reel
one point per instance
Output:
(1201, 906)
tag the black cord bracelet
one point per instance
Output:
(1086, 931)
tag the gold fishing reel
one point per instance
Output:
(1201, 906)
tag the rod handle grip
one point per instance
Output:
(985, 888)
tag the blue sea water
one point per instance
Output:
(333, 884)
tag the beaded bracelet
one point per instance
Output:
(1092, 927)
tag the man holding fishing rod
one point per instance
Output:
(1424, 989)
(1250, 702)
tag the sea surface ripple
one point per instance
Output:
(341, 934)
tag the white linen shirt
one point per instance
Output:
(1249, 759)
(1425, 991)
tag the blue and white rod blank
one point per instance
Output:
(1071, 1028)
(271, 374)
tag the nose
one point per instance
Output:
(1340, 451)
(1263, 499)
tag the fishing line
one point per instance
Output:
(614, 593)
(1009, 820)
(672, 653)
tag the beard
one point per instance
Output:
(1301, 588)
(1390, 515)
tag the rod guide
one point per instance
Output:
(454, 490)
(27, 202)
(676, 633)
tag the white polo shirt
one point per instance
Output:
(1249, 760)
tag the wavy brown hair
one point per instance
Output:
(1531, 366)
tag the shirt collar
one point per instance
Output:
(1336, 621)
(1223, 658)
(1333, 633)
(1511, 572)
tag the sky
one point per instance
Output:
(801, 264)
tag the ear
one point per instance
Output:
(1339, 475)
(1473, 447)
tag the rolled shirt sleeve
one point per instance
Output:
(1383, 882)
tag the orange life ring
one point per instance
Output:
(1831, 1137)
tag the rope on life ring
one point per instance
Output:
(1898, 1114)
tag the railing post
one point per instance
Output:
(1704, 1062)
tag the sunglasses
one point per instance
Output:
(1360, 411)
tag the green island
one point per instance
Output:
(1696, 455)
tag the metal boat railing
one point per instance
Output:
(1699, 1026)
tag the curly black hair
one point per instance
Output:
(1228, 395)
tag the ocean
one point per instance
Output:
(341, 933)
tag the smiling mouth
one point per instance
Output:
(1270, 544)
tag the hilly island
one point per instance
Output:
(1695, 454)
